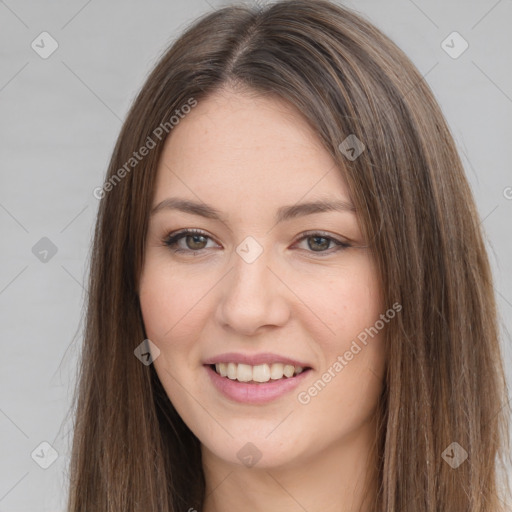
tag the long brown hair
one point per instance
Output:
(444, 378)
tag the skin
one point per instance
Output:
(247, 156)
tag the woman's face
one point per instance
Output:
(254, 293)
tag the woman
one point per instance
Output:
(291, 307)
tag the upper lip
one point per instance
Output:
(254, 359)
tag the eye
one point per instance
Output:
(319, 242)
(196, 240)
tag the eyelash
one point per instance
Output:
(172, 239)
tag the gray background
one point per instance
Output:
(60, 117)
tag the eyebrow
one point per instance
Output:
(284, 213)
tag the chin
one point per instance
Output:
(255, 453)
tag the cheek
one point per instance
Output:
(343, 306)
(171, 315)
(170, 303)
(343, 316)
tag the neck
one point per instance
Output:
(340, 479)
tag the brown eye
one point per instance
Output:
(320, 243)
(195, 241)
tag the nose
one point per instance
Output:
(253, 296)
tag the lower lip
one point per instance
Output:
(246, 393)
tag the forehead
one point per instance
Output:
(250, 148)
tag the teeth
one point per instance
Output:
(289, 370)
(258, 373)
(244, 373)
(261, 373)
(276, 371)
(231, 371)
(222, 369)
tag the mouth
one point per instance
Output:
(257, 374)
(255, 379)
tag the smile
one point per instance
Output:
(260, 373)
(251, 391)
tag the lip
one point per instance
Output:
(246, 393)
(254, 359)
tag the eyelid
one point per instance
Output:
(172, 238)
(175, 235)
(325, 234)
